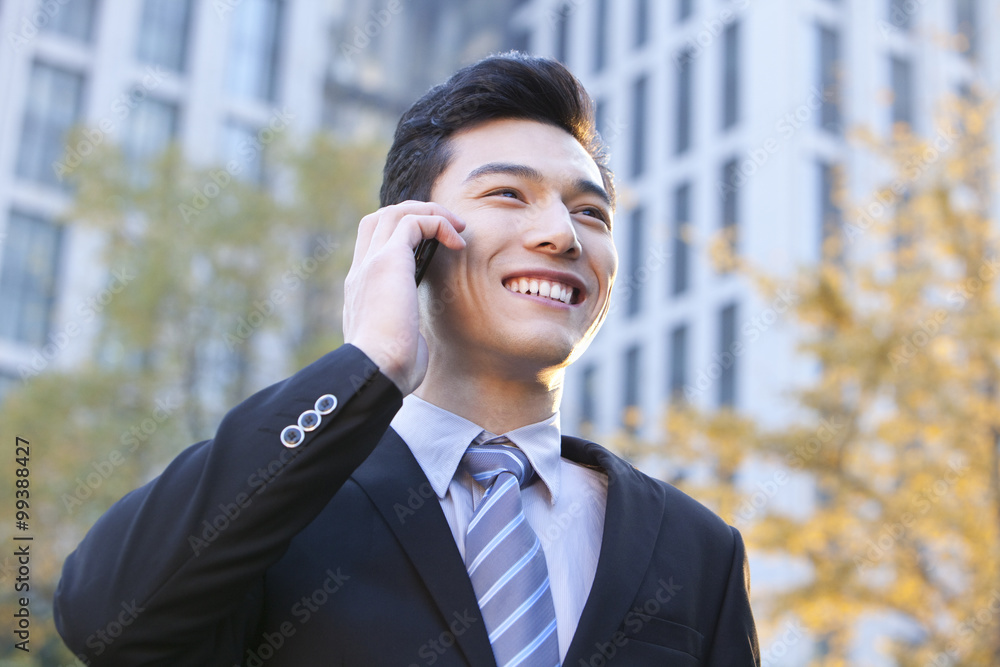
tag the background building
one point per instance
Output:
(378, 65)
(213, 76)
(216, 78)
(733, 117)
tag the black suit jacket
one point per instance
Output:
(244, 552)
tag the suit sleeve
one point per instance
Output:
(734, 641)
(172, 574)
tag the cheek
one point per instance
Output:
(606, 264)
(613, 266)
(484, 241)
(446, 264)
(455, 277)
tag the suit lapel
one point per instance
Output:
(631, 525)
(397, 486)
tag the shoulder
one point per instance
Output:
(697, 518)
(681, 513)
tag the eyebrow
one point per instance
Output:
(583, 185)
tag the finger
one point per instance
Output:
(366, 230)
(412, 229)
(419, 208)
(388, 220)
(434, 208)
(448, 234)
(375, 229)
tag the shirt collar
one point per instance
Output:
(438, 439)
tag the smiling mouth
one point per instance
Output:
(549, 289)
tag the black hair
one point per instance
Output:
(507, 86)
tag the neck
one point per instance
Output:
(499, 400)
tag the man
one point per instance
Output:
(364, 512)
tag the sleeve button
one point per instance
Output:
(326, 404)
(292, 436)
(309, 420)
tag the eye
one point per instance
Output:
(509, 193)
(595, 212)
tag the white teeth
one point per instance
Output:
(549, 289)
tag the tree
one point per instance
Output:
(900, 427)
(215, 287)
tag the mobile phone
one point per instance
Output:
(422, 254)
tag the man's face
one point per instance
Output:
(531, 288)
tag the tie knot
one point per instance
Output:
(487, 461)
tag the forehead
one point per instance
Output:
(551, 150)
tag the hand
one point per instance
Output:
(380, 294)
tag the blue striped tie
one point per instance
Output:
(506, 562)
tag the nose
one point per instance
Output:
(552, 231)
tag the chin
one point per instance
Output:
(542, 351)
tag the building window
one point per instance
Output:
(637, 276)
(830, 218)
(684, 10)
(640, 93)
(53, 107)
(966, 93)
(28, 278)
(731, 76)
(727, 356)
(254, 49)
(601, 119)
(681, 251)
(601, 36)
(152, 126)
(685, 101)
(902, 91)
(562, 14)
(631, 412)
(901, 13)
(163, 33)
(520, 40)
(677, 373)
(730, 201)
(903, 233)
(641, 22)
(588, 399)
(965, 26)
(71, 19)
(242, 146)
(829, 79)
(610, 128)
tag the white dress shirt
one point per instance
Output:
(565, 508)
